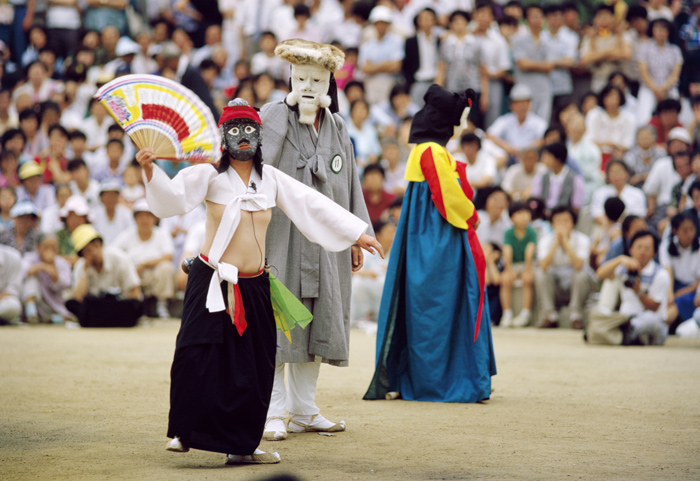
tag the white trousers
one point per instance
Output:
(646, 103)
(10, 309)
(298, 394)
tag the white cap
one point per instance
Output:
(24, 207)
(520, 92)
(110, 185)
(141, 205)
(77, 204)
(679, 133)
(381, 13)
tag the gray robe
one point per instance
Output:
(322, 280)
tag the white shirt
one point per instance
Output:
(493, 232)
(580, 243)
(50, 220)
(485, 166)
(118, 272)
(428, 55)
(139, 251)
(633, 197)
(317, 217)
(661, 180)
(507, 128)
(686, 266)
(496, 54)
(621, 130)
(657, 291)
(111, 229)
(91, 194)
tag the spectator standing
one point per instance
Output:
(100, 14)
(380, 58)
(63, 23)
(10, 285)
(563, 43)
(22, 235)
(422, 51)
(636, 36)
(520, 128)
(519, 246)
(660, 64)
(562, 256)
(604, 50)
(111, 218)
(534, 61)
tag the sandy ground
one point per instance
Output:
(92, 405)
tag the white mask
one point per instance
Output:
(309, 91)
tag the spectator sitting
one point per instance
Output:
(679, 254)
(387, 115)
(683, 166)
(609, 127)
(50, 217)
(560, 185)
(520, 243)
(23, 233)
(35, 141)
(481, 167)
(611, 230)
(666, 119)
(32, 188)
(8, 169)
(644, 291)
(266, 60)
(618, 175)
(10, 285)
(151, 249)
(106, 290)
(587, 153)
(630, 226)
(563, 256)
(81, 183)
(518, 179)
(133, 189)
(74, 213)
(694, 125)
(520, 128)
(363, 134)
(97, 124)
(46, 276)
(394, 167)
(641, 158)
(110, 218)
(663, 177)
(376, 198)
(113, 167)
(494, 220)
(368, 283)
(8, 198)
(54, 161)
(77, 141)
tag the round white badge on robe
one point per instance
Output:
(337, 163)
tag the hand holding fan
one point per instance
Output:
(163, 115)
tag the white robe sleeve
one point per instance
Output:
(183, 193)
(321, 220)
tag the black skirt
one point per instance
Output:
(221, 382)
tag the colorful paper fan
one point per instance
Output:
(163, 115)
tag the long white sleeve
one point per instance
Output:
(184, 192)
(316, 216)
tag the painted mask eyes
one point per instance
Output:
(249, 129)
(234, 131)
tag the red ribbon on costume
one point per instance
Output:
(474, 244)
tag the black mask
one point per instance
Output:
(241, 139)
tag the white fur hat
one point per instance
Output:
(302, 52)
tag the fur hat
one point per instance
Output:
(302, 52)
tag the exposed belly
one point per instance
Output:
(246, 250)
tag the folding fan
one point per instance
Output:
(163, 115)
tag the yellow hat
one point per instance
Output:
(83, 235)
(30, 169)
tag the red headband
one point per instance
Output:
(239, 112)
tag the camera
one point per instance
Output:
(632, 277)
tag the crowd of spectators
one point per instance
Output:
(585, 132)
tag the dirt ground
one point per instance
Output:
(92, 405)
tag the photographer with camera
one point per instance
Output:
(644, 287)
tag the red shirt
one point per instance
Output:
(376, 209)
(44, 162)
(660, 134)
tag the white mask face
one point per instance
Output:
(309, 91)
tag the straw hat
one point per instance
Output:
(82, 236)
(30, 169)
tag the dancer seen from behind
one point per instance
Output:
(434, 331)
(224, 364)
(305, 139)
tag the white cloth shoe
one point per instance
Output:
(507, 319)
(176, 446)
(521, 320)
(275, 429)
(313, 424)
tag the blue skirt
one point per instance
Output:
(425, 338)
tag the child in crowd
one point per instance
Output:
(376, 198)
(46, 276)
(133, 189)
(520, 243)
(680, 255)
(77, 141)
(8, 198)
(614, 207)
(8, 169)
(81, 184)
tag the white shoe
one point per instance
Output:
(275, 429)
(176, 446)
(507, 319)
(521, 320)
(162, 309)
(313, 424)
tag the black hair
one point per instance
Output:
(513, 3)
(585, 96)
(508, 20)
(426, 9)
(659, 21)
(378, 225)
(484, 4)
(569, 5)
(374, 168)
(10, 134)
(695, 100)
(516, 207)
(494, 189)
(114, 128)
(115, 141)
(60, 128)
(627, 223)
(558, 129)
(47, 49)
(668, 104)
(48, 105)
(619, 73)
(616, 162)
(302, 9)
(558, 151)
(560, 209)
(552, 8)
(77, 134)
(537, 207)
(208, 63)
(645, 233)
(27, 113)
(398, 89)
(614, 208)
(5, 154)
(459, 13)
(636, 11)
(676, 222)
(470, 137)
(75, 164)
(694, 186)
(682, 153)
(354, 83)
(604, 93)
(358, 101)
(604, 8)
(268, 32)
(532, 6)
